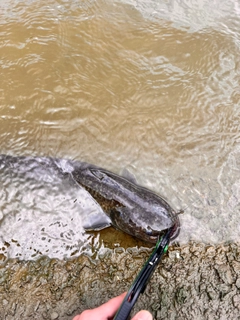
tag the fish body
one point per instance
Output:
(131, 208)
(51, 186)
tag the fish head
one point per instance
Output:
(146, 226)
(131, 208)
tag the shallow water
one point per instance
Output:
(150, 87)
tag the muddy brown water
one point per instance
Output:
(139, 85)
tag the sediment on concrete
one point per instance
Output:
(194, 281)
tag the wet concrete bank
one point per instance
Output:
(194, 281)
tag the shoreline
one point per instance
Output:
(196, 281)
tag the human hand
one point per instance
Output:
(108, 310)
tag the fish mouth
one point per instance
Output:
(153, 235)
(148, 235)
(176, 229)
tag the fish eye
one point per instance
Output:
(149, 231)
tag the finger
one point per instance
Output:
(109, 309)
(143, 315)
(105, 311)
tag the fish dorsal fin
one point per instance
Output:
(128, 175)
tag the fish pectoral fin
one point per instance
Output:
(96, 223)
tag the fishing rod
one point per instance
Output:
(144, 276)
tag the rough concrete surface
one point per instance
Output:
(194, 281)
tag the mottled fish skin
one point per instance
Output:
(131, 208)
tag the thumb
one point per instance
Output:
(143, 315)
